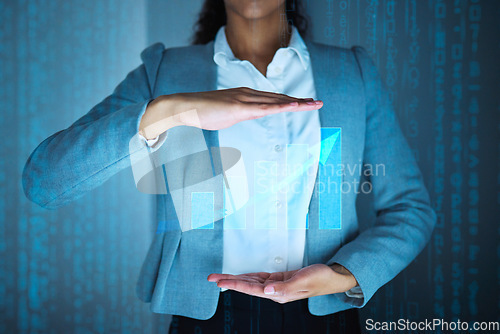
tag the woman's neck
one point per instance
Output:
(257, 40)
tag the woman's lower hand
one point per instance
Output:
(283, 287)
(215, 110)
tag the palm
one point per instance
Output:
(313, 280)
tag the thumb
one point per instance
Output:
(276, 288)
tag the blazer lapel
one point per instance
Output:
(327, 72)
(323, 83)
(322, 59)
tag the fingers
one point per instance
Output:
(264, 285)
(277, 276)
(257, 277)
(281, 292)
(250, 288)
(256, 104)
(269, 99)
(218, 277)
(252, 95)
(275, 97)
(257, 110)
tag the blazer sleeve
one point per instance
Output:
(98, 145)
(404, 218)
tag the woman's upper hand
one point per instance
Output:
(215, 110)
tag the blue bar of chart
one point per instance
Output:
(330, 179)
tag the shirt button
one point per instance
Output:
(278, 204)
(278, 70)
(277, 148)
(278, 259)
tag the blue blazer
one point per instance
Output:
(174, 274)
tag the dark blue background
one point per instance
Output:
(74, 269)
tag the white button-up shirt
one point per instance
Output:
(268, 232)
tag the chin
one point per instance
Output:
(254, 9)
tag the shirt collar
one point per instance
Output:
(223, 53)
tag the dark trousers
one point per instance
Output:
(240, 313)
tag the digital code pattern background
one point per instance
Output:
(74, 269)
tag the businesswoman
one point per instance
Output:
(251, 81)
